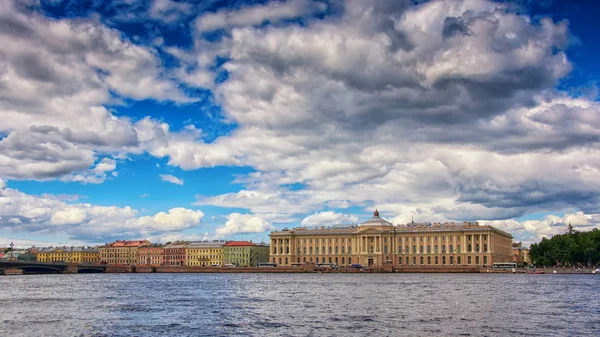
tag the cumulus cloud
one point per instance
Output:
(24, 213)
(257, 14)
(53, 95)
(169, 11)
(329, 217)
(243, 223)
(171, 179)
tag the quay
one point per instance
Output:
(22, 267)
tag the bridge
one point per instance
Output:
(32, 267)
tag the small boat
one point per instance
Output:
(536, 272)
(596, 271)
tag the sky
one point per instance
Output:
(198, 120)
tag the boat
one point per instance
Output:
(536, 272)
(596, 271)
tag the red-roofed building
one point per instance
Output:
(121, 251)
(245, 253)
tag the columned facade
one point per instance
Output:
(376, 241)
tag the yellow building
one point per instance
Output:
(122, 251)
(204, 253)
(69, 254)
(377, 241)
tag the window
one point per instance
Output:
(407, 260)
(436, 260)
(422, 260)
(343, 250)
(429, 260)
(330, 249)
(343, 263)
(414, 260)
(279, 260)
(399, 249)
(286, 260)
(443, 249)
(484, 237)
(451, 259)
(323, 250)
(485, 260)
(428, 249)
(421, 249)
(385, 249)
(336, 248)
(287, 250)
(349, 251)
(443, 260)
(435, 249)
(406, 251)
(372, 249)
(485, 247)
(468, 260)
(414, 249)
(477, 260)
(317, 260)
(458, 259)
(311, 250)
(349, 260)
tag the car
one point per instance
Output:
(229, 265)
(215, 265)
(356, 266)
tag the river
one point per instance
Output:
(299, 305)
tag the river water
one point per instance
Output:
(299, 305)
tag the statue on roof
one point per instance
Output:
(376, 212)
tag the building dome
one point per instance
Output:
(376, 221)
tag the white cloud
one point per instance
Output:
(243, 223)
(258, 14)
(329, 217)
(46, 215)
(169, 11)
(171, 179)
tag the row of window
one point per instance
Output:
(372, 239)
(421, 260)
(421, 250)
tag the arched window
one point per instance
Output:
(435, 249)
(458, 259)
(477, 248)
(336, 260)
(287, 250)
(349, 250)
(451, 259)
(414, 260)
(428, 249)
(458, 250)
(330, 260)
(372, 249)
(343, 261)
(468, 260)
(414, 249)
(485, 260)
(279, 260)
(477, 260)
(443, 260)
(406, 250)
(317, 260)
(470, 248)
(443, 249)
(349, 260)
(429, 260)
(421, 249)
(436, 260)
(400, 260)
(336, 249)
(422, 260)
(311, 251)
(485, 248)
(399, 249)
(286, 260)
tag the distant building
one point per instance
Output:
(69, 254)
(174, 254)
(520, 255)
(150, 255)
(204, 253)
(377, 241)
(122, 251)
(245, 254)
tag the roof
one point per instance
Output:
(239, 244)
(129, 243)
(376, 221)
(69, 249)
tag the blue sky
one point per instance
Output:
(196, 120)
